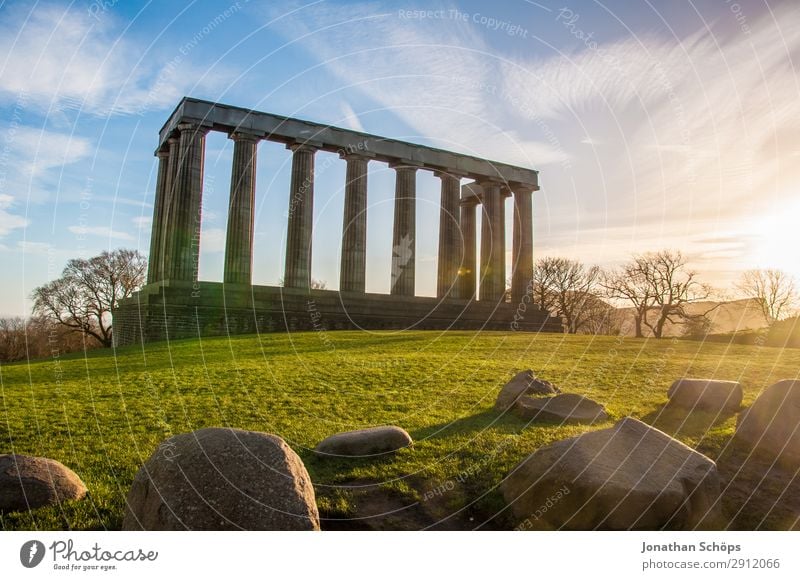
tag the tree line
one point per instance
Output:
(657, 289)
(73, 312)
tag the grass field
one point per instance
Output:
(104, 413)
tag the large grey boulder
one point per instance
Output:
(772, 423)
(31, 482)
(523, 384)
(567, 408)
(706, 394)
(365, 442)
(629, 476)
(222, 479)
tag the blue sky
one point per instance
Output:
(654, 125)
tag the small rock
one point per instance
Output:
(30, 482)
(222, 479)
(706, 394)
(772, 423)
(365, 442)
(523, 384)
(567, 408)
(628, 477)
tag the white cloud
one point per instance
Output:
(701, 123)
(100, 231)
(697, 131)
(440, 80)
(37, 150)
(8, 220)
(141, 221)
(35, 248)
(32, 157)
(59, 58)
(350, 118)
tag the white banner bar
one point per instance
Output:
(399, 555)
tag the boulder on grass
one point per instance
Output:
(523, 384)
(365, 442)
(31, 482)
(630, 476)
(222, 479)
(706, 395)
(772, 424)
(567, 408)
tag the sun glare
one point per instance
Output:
(777, 240)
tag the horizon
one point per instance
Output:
(649, 130)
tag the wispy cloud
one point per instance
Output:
(100, 231)
(350, 118)
(62, 59)
(695, 132)
(35, 248)
(37, 151)
(142, 222)
(428, 75)
(9, 221)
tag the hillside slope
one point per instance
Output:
(727, 317)
(104, 414)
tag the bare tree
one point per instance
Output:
(631, 283)
(697, 326)
(775, 291)
(37, 337)
(83, 297)
(566, 287)
(544, 273)
(674, 286)
(314, 285)
(659, 286)
(12, 339)
(599, 316)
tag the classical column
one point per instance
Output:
(469, 263)
(404, 238)
(239, 238)
(353, 266)
(165, 239)
(183, 237)
(493, 234)
(522, 272)
(158, 227)
(449, 236)
(301, 216)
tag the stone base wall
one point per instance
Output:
(171, 310)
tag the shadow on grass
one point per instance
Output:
(758, 493)
(502, 423)
(333, 470)
(681, 422)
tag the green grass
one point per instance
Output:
(104, 413)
